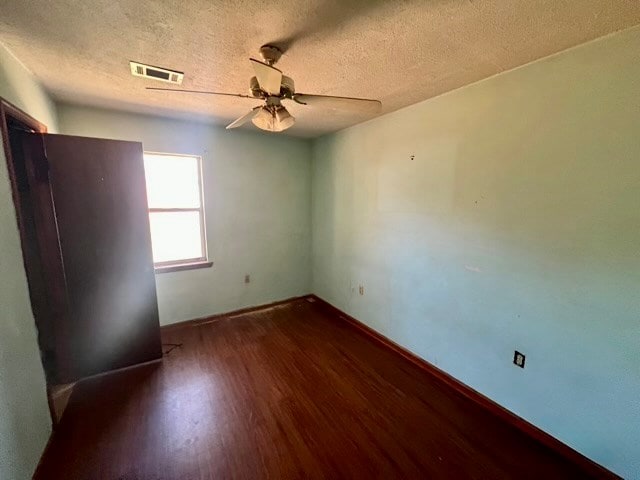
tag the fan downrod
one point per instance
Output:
(270, 54)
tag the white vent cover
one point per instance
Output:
(156, 73)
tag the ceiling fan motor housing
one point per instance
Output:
(270, 54)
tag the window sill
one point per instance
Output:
(182, 266)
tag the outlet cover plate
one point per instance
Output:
(518, 359)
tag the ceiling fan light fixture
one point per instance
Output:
(265, 120)
(284, 118)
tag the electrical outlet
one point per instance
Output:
(247, 279)
(361, 289)
(518, 359)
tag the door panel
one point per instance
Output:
(98, 193)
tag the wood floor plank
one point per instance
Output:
(290, 392)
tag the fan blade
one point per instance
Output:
(268, 77)
(364, 105)
(243, 119)
(200, 91)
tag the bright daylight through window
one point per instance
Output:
(176, 211)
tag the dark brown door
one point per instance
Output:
(94, 228)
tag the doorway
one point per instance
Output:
(12, 119)
(82, 215)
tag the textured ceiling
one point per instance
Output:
(399, 52)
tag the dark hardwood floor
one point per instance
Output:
(290, 392)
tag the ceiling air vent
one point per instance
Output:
(156, 73)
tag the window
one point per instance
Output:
(176, 211)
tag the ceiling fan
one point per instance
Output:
(271, 86)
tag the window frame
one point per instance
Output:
(184, 263)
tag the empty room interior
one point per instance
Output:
(319, 239)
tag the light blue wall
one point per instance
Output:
(24, 415)
(258, 204)
(516, 226)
